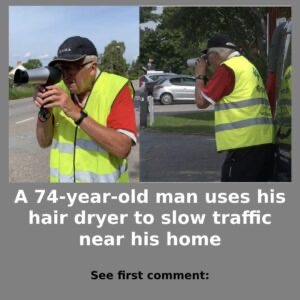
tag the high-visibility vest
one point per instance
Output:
(243, 118)
(283, 115)
(75, 157)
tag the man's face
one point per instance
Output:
(78, 76)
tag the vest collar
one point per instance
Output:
(233, 54)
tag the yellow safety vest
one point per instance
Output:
(75, 157)
(283, 120)
(243, 118)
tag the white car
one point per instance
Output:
(151, 77)
(175, 88)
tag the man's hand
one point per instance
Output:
(200, 70)
(53, 96)
(200, 67)
(38, 95)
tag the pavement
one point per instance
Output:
(173, 157)
(167, 157)
(179, 158)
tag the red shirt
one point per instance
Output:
(220, 85)
(122, 116)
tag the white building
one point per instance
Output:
(18, 66)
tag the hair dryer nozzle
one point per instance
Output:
(44, 76)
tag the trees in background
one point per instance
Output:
(182, 32)
(32, 64)
(112, 60)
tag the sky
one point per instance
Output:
(35, 32)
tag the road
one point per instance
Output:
(27, 161)
(172, 157)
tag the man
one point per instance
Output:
(243, 120)
(92, 124)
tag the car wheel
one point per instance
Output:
(166, 99)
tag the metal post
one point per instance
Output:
(151, 110)
(143, 109)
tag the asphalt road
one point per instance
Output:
(171, 157)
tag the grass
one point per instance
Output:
(185, 123)
(20, 92)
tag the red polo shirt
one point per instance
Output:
(220, 85)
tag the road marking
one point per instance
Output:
(26, 120)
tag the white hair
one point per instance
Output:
(90, 58)
(222, 52)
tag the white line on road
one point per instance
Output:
(23, 121)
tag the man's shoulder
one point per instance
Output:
(112, 76)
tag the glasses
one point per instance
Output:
(72, 68)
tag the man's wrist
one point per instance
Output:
(82, 116)
(202, 77)
(44, 116)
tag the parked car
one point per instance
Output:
(147, 81)
(175, 88)
(150, 84)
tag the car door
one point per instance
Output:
(176, 88)
(188, 84)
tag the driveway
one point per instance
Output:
(171, 157)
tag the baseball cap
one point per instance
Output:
(73, 49)
(219, 41)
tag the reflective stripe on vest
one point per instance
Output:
(80, 143)
(241, 104)
(242, 124)
(75, 157)
(82, 176)
(243, 118)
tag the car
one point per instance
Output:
(175, 88)
(150, 84)
(147, 81)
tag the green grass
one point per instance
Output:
(20, 92)
(186, 123)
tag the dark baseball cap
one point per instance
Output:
(219, 41)
(73, 49)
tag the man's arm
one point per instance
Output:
(44, 130)
(200, 70)
(220, 85)
(201, 102)
(110, 139)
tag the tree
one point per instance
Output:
(134, 70)
(112, 59)
(33, 64)
(190, 27)
(147, 14)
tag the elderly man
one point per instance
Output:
(243, 120)
(91, 127)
